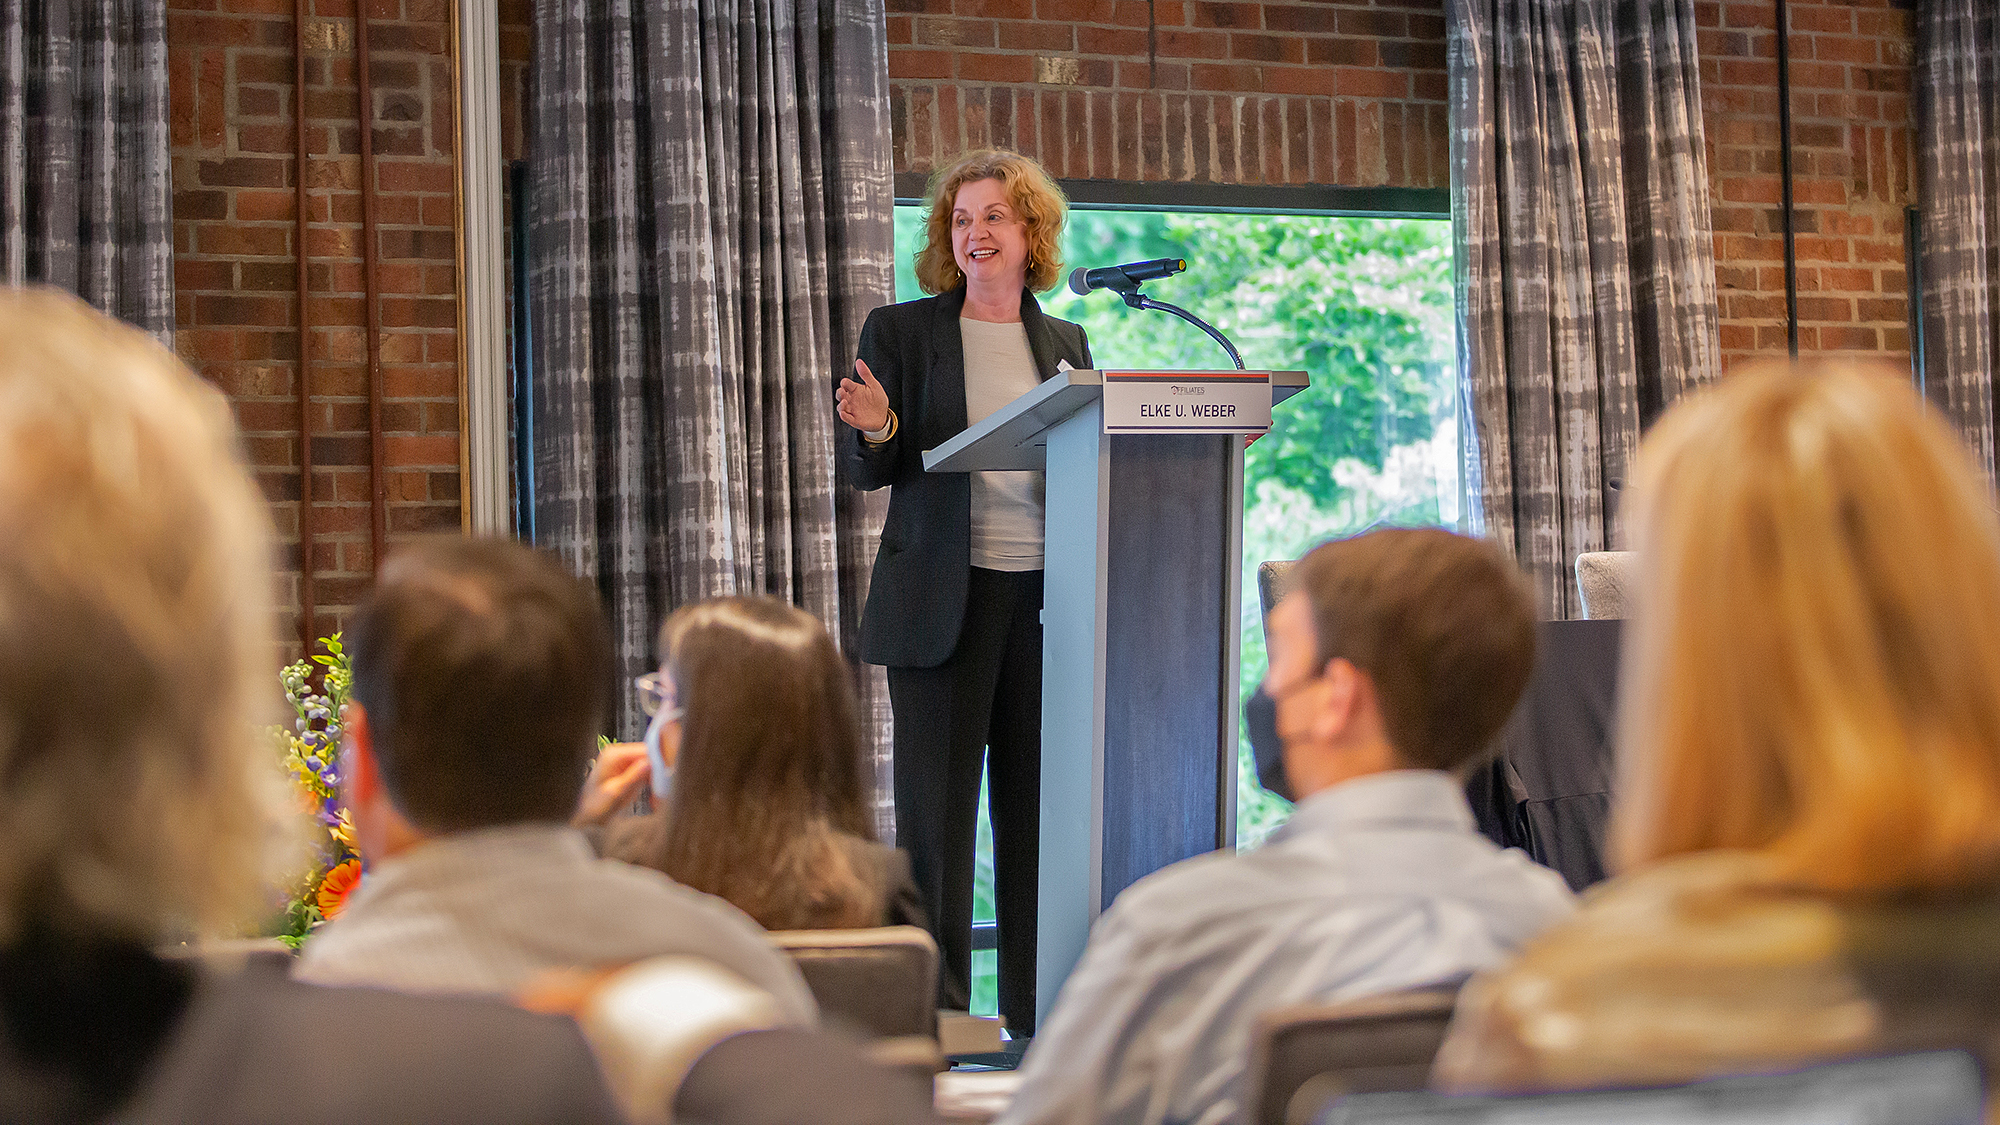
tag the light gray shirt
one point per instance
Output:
(1006, 504)
(488, 911)
(1379, 884)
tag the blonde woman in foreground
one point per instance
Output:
(1808, 810)
(140, 798)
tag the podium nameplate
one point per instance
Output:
(1180, 402)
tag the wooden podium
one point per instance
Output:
(1142, 567)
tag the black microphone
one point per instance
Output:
(1125, 278)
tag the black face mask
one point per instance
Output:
(1260, 714)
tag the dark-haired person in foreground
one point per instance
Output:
(1394, 662)
(139, 795)
(479, 673)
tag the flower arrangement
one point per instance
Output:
(311, 753)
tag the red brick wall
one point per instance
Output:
(517, 41)
(230, 71)
(1852, 175)
(1353, 94)
(1277, 92)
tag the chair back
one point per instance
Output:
(1274, 581)
(1604, 581)
(1932, 1088)
(880, 981)
(1303, 1057)
(788, 1075)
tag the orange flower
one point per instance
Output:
(338, 884)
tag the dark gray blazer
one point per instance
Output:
(916, 600)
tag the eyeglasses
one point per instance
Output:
(655, 694)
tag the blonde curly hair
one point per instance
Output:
(1032, 194)
(138, 796)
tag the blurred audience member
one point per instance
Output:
(479, 687)
(1809, 795)
(754, 761)
(140, 800)
(1394, 662)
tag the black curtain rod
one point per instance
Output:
(1785, 179)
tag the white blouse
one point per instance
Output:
(1006, 506)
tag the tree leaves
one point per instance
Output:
(1362, 305)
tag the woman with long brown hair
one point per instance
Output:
(755, 763)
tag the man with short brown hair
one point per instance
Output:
(480, 675)
(1394, 662)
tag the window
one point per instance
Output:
(1364, 305)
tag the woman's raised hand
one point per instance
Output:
(620, 772)
(863, 403)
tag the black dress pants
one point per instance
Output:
(985, 702)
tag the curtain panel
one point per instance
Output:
(1958, 160)
(1585, 260)
(86, 197)
(710, 223)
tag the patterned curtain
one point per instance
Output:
(1958, 158)
(1586, 270)
(710, 223)
(85, 190)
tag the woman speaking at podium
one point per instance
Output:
(954, 607)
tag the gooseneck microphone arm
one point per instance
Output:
(1139, 300)
(1125, 281)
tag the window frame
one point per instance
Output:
(1230, 199)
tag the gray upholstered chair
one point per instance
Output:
(1927, 1088)
(1604, 582)
(1274, 581)
(1305, 1056)
(879, 982)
